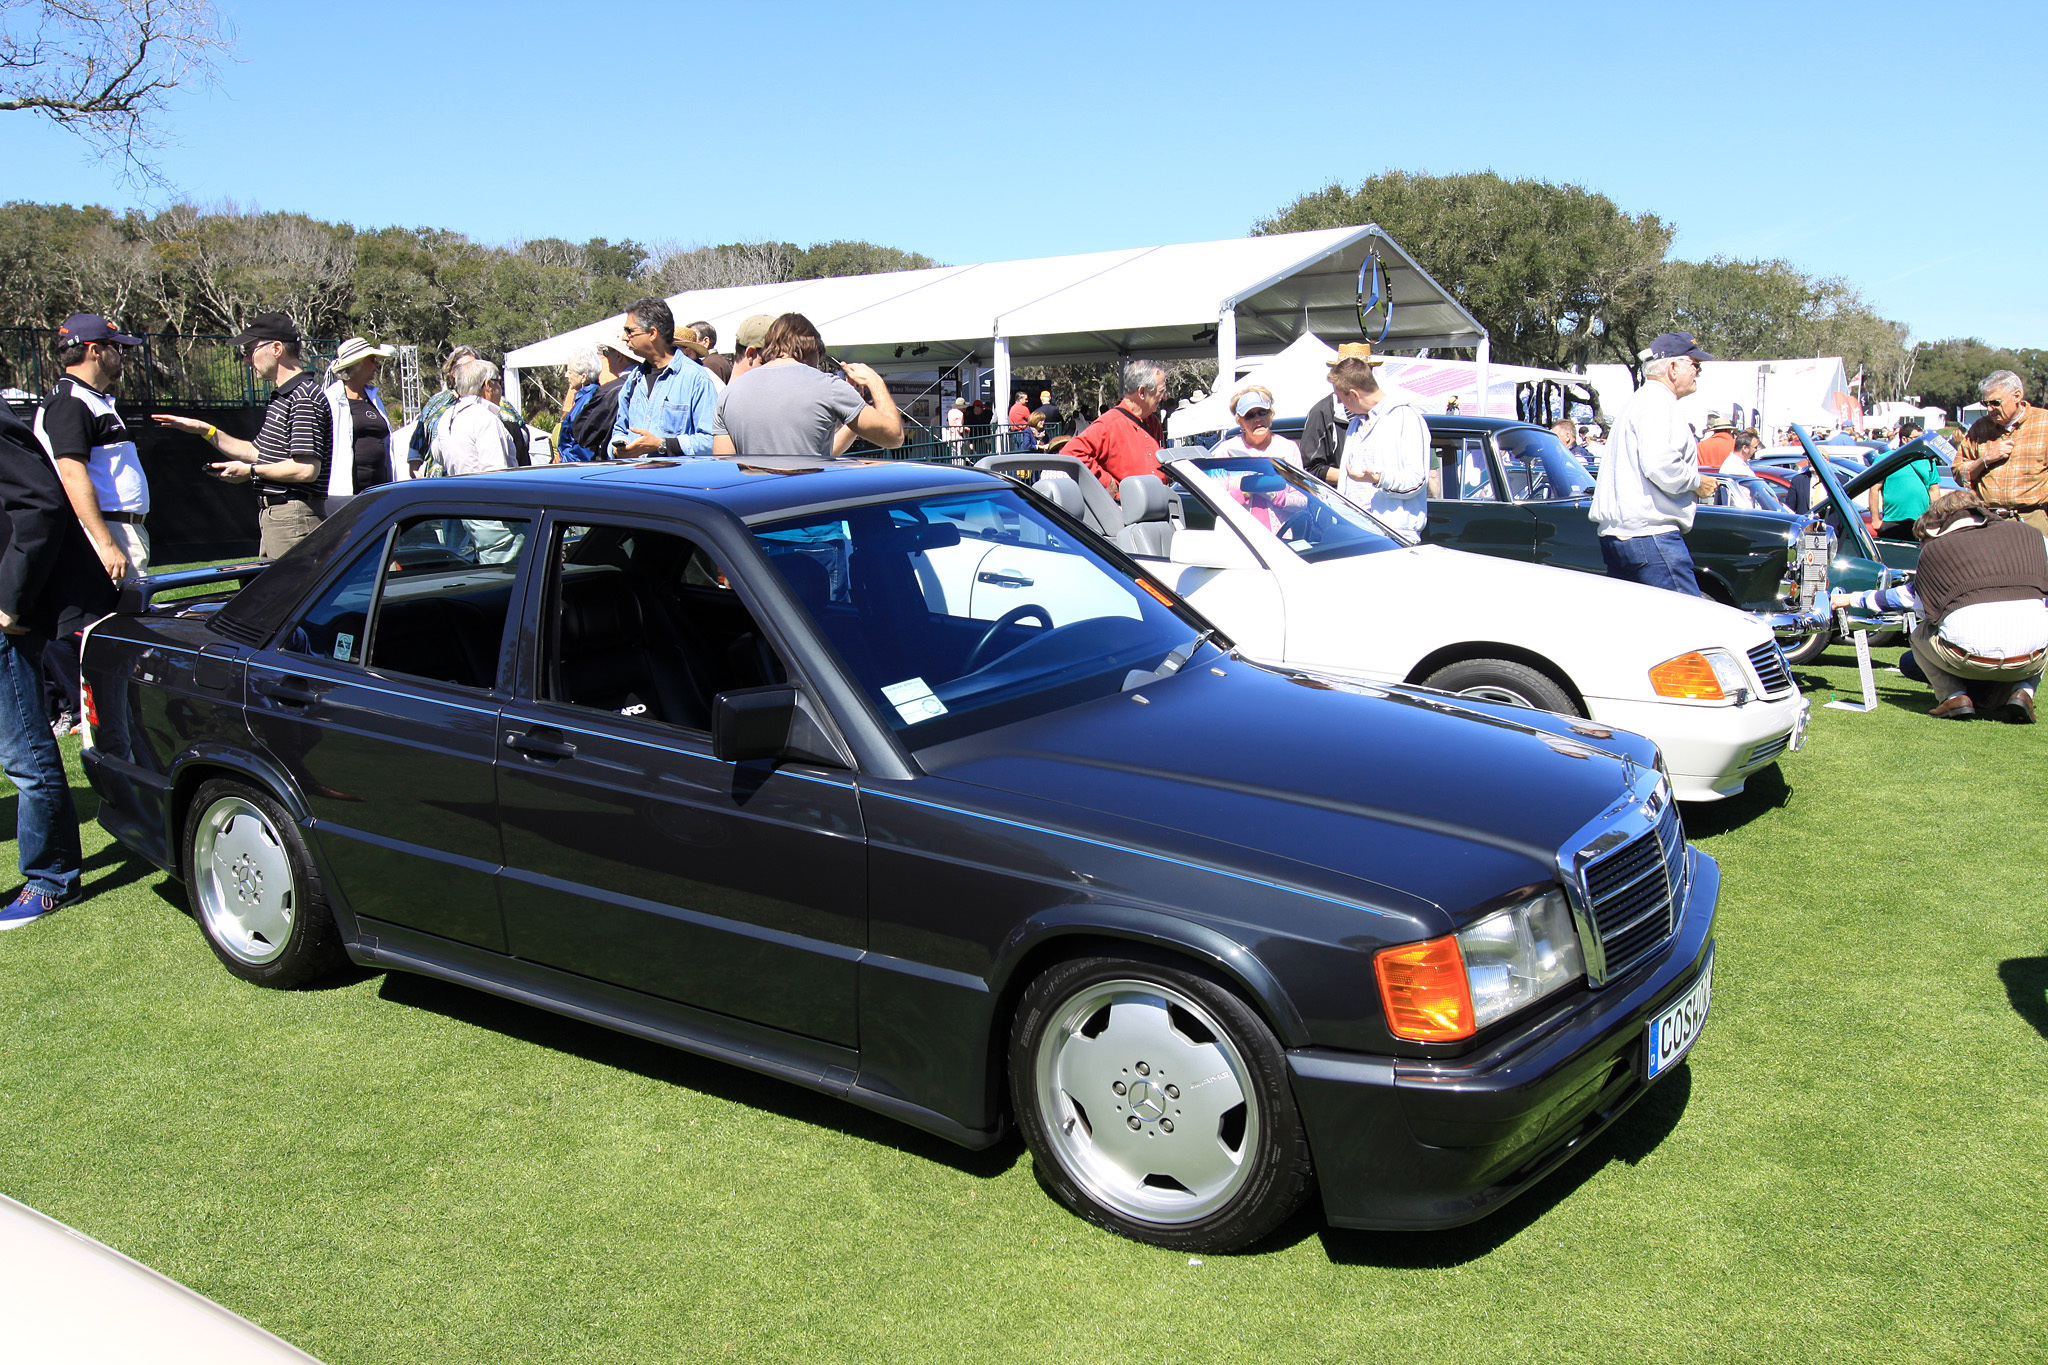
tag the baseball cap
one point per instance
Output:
(92, 327)
(753, 332)
(267, 327)
(1673, 344)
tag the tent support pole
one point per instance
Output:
(512, 390)
(999, 392)
(1485, 359)
(1226, 350)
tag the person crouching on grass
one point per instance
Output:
(1982, 593)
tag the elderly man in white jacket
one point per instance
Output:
(1385, 467)
(1651, 481)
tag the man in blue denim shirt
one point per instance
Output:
(669, 403)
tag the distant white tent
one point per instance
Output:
(1300, 376)
(1192, 300)
(1813, 392)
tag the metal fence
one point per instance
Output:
(929, 446)
(166, 371)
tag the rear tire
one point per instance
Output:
(1505, 683)
(1156, 1104)
(254, 890)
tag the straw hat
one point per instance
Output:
(686, 340)
(356, 350)
(1357, 350)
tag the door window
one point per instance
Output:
(428, 601)
(645, 625)
(1457, 469)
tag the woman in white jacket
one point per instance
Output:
(364, 453)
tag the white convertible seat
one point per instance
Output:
(1148, 516)
(1062, 492)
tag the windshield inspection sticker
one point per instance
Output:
(913, 700)
(344, 646)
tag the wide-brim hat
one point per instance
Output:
(356, 350)
(686, 340)
(1357, 350)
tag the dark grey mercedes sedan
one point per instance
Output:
(896, 781)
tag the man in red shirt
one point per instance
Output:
(1020, 420)
(1718, 444)
(1126, 439)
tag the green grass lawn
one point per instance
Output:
(1849, 1168)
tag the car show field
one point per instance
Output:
(396, 1169)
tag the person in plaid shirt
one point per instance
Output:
(2004, 455)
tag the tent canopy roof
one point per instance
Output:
(1162, 302)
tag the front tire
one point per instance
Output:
(254, 890)
(1504, 682)
(1156, 1104)
(1809, 650)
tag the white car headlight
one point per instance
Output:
(1521, 954)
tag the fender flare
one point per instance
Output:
(239, 762)
(1211, 947)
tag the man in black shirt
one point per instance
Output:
(83, 432)
(288, 459)
(51, 583)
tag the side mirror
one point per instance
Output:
(773, 722)
(1217, 549)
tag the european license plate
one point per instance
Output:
(1673, 1032)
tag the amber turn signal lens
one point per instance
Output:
(1156, 591)
(1424, 991)
(1688, 676)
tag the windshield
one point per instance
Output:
(1309, 516)
(1538, 468)
(965, 611)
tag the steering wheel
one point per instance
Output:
(1003, 623)
(1301, 526)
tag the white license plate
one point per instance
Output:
(1673, 1032)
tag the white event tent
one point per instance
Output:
(1247, 296)
(1300, 375)
(1765, 394)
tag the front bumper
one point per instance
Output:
(1407, 1144)
(1791, 625)
(1711, 750)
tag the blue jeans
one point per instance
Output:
(45, 821)
(1657, 561)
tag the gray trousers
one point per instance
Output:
(1947, 669)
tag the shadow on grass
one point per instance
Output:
(702, 1075)
(2026, 985)
(1767, 791)
(1632, 1138)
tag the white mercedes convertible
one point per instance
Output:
(1297, 574)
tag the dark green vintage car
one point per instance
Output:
(1511, 488)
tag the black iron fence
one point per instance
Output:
(931, 446)
(166, 370)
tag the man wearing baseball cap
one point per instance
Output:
(95, 456)
(288, 459)
(1650, 481)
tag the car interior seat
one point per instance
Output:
(610, 661)
(1062, 492)
(1148, 522)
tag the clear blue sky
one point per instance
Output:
(1859, 140)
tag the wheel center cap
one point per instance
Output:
(248, 879)
(1147, 1102)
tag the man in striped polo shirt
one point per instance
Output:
(288, 459)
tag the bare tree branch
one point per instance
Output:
(101, 67)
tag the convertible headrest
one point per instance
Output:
(1062, 492)
(1144, 497)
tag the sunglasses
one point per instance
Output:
(1256, 414)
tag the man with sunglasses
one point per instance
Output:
(288, 459)
(2004, 455)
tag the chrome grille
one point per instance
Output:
(1631, 892)
(1769, 662)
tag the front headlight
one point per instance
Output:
(1703, 675)
(1451, 987)
(1520, 955)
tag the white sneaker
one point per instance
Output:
(65, 724)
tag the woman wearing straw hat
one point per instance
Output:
(362, 456)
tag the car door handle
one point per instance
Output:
(1005, 580)
(538, 745)
(290, 691)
